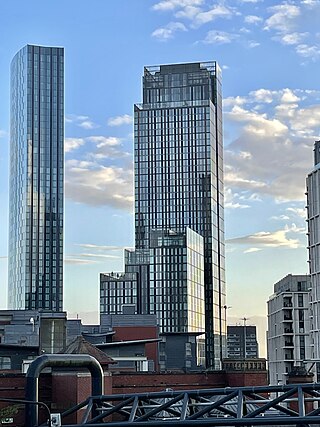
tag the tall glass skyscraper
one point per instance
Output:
(179, 175)
(36, 179)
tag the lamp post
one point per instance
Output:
(245, 336)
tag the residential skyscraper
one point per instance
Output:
(36, 179)
(178, 154)
(242, 342)
(313, 220)
(178, 261)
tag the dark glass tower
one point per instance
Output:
(179, 175)
(36, 179)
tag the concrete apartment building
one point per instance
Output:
(288, 335)
(313, 221)
(242, 342)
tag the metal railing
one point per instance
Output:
(244, 406)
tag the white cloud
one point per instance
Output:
(308, 51)
(107, 148)
(78, 261)
(104, 141)
(71, 144)
(293, 38)
(219, 37)
(231, 101)
(268, 239)
(167, 32)
(94, 255)
(120, 120)
(251, 250)
(311, 3)
(93, 184)
(300, 212)
(218, 11)
(87, 124)
(188, 12)
(100, 248)
(169, 5)
(279, 135)
(82, 121)
(288, 96)
(252, 19)
(240, 200)
(252, 44)
(280, 218)
(3, 133)
(262, 95)
(282, 18)
(258, 124)
(231, 205)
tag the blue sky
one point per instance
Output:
(269, 52)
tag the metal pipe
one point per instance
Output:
(58, 360)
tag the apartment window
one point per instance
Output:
(5, 362)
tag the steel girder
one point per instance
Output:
(244, 406)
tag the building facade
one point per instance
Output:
(36, 179)
(179, 256)
(117, 290)
(313, 221)
(288, 336)
(179, 173)
(242, 342)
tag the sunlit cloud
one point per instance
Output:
(219, 37)
(79, 261)
(168, 5)
(277, 129)
(282, 17)
(94, 184)
(270, 239)
(125, 119)
(100, 247)
(71, 144)
(83, 122)
(253, 19)
(251, 250)
(168, 32)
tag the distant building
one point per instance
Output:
(24, 334)
(116, 291)
(35, 277)
(242, 342)
(181, 352)
(313, 221)
(167, 282)
(288, 336)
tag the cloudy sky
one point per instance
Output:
(270, 55)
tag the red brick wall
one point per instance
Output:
(144, 382)
(69, 389)
(243, 379)
(65, 389)
(128, 333)
(12, 386)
